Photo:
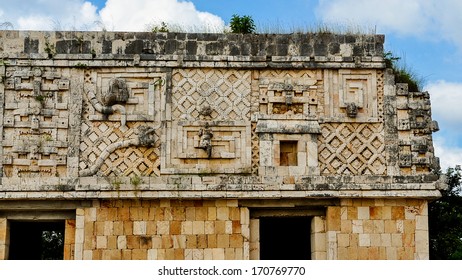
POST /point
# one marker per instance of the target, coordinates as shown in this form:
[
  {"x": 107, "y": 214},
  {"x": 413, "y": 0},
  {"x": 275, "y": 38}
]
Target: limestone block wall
[
  {"x": 69, "y": 239},
  {"x": 163, "y": 230},
  {"x": 378, "y": 229}
]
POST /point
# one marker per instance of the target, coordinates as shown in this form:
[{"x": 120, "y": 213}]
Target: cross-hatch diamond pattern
[
  {"x": 142, "y": 161},
  {"x": 352, "y": 149},
  {"x": 226, "y": 92}
]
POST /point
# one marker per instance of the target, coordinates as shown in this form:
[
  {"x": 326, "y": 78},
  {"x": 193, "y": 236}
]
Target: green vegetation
[
  {"x": 403, "y": 74},
  {"x": 162, "y": 28},
  {"x": 242, "y": 24},
  {"x": 49, "y": 49},
  {"x": 81, "y": 65},
  {"x": 136, "y": 180},
  {"x": 445, "y": 220}
]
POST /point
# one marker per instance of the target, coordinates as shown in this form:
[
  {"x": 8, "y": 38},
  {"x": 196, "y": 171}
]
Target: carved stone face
[
  {"x": 206, "y": 111},
  {"x": 116, "y": 94},
  {"x": 352, "y": 110}
]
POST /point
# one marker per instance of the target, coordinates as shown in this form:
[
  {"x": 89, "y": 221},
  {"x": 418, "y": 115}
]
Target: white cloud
[
  {"x": 49, "y": 14},
  {"x": 34, "y": 22},
  {"x": 446, "y": 101},
  {"x": 116, "y": 15},
  {"x": 430, "y": 19},
  {"x": 449, "y": 156},
  {"x": 135, "y": 16}
]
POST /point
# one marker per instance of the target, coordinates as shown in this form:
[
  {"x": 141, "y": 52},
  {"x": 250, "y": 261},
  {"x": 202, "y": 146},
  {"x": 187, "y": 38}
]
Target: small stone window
[{"x": 288, "y": 153}]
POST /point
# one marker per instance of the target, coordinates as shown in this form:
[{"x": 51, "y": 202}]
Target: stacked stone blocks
[{"x": 165, "y": 230}]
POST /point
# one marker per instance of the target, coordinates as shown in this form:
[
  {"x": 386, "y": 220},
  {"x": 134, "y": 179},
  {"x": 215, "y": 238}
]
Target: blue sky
[{"x": 425, "y": 33}]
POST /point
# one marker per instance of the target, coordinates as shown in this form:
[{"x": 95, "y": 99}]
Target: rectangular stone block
[
  {"x": 223, "y": 213},
  {"x": 163, "y": 227},
  {"x": 363, "y": 213},
  {"x": 333, "y": 218},
  {"x": 375, "y": 212},
  {"x": 175, "y": 227},
  {"x": 357, "y": 226},
  {"x": 390, "y": 226},
  {"x": 139, "y": 254},
  {"x": 198, "y": 227},
  {"x": 139, "y": 227},
  {"x": 156, "y": 242},
  {"x": 223, "y": 241},
  {"x": 101, "y": 242},
  {"x": 397, "y": 240},
  {"x": 364, "y": 240},
  {"x": 343, "y": 240},
  {"x": 421, "y": 223},
  {"x": 121, "y": 242},
  {"x": 397, "y": 213},
  {"x": 211, "y": 213},
  {"x": 218, "y": 253},
  {"x": 201, "y": 214},
  {"x": 152, "y": 254},
  {"x": 133, "y": 242}
]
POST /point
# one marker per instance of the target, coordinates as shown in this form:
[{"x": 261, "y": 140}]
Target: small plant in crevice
[
  {"x": 160, "y": 28},
  {"x": 49, "y": 49},
  {"x": 47, "y": 137},
  {"x": 402, "y": 72},
  {"x": 116, "y": 182},
  {"x": 136, "y": 180},
  {"x": 81, "y": 65},
  {"x": 3, "y": 62},
  {"x": 40, "y": 98}
]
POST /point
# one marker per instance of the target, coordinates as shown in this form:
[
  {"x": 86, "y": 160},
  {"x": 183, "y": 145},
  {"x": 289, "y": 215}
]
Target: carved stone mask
[
  {"x": 116, "y": 94},
  {"x": 352, "y": 110}
]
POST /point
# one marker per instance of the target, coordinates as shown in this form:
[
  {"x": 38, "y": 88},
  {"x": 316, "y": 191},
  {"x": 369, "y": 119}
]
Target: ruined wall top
[{"x": 186, "y": 49}]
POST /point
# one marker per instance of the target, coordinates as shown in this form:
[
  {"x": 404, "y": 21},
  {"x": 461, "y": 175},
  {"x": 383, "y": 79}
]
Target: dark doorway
[
  {"x": 285, "y": 238},
  {"x": 36, "y": 240}
]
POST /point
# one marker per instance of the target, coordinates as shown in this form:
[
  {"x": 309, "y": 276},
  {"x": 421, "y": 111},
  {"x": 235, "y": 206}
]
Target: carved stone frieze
[
  {"x": 36, "y": 122},
  {"x": 217, "y": 93},
  {"x": 207, "y": 147},
  {"x": 350, "y": 148},
  {"x": 125, "y": 140}
]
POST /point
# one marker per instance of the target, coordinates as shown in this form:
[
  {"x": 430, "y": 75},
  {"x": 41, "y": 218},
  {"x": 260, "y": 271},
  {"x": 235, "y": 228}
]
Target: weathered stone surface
[{"x": 178, "y": 142}]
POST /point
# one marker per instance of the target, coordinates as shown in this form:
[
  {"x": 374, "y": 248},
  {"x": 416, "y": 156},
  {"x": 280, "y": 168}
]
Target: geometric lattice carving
[
  {"x": 380, "y": 87},
  {"x": 352, "y": 148},
  {"x": 415, "y": 127},
  {"x": 357, "y": 89},
  {"x": 255, "y": 149},
  {"x": 104, "y": 147},
  {"x": 230, "y": 148},
  {"x": 36, "y": 121},
  {"x": 97, "y": 136},
  {"x": 225, "y": 92},
  {"x": 288, "y": 93}
]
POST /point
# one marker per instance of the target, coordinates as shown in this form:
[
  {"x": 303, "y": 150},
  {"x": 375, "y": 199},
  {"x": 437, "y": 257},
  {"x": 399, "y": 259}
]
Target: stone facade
[{"x": 180, "y": 146}]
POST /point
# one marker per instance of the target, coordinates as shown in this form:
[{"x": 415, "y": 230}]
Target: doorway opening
[
  {"x": 285, "y": 238},
  {"x": 36, "y": 240}
]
